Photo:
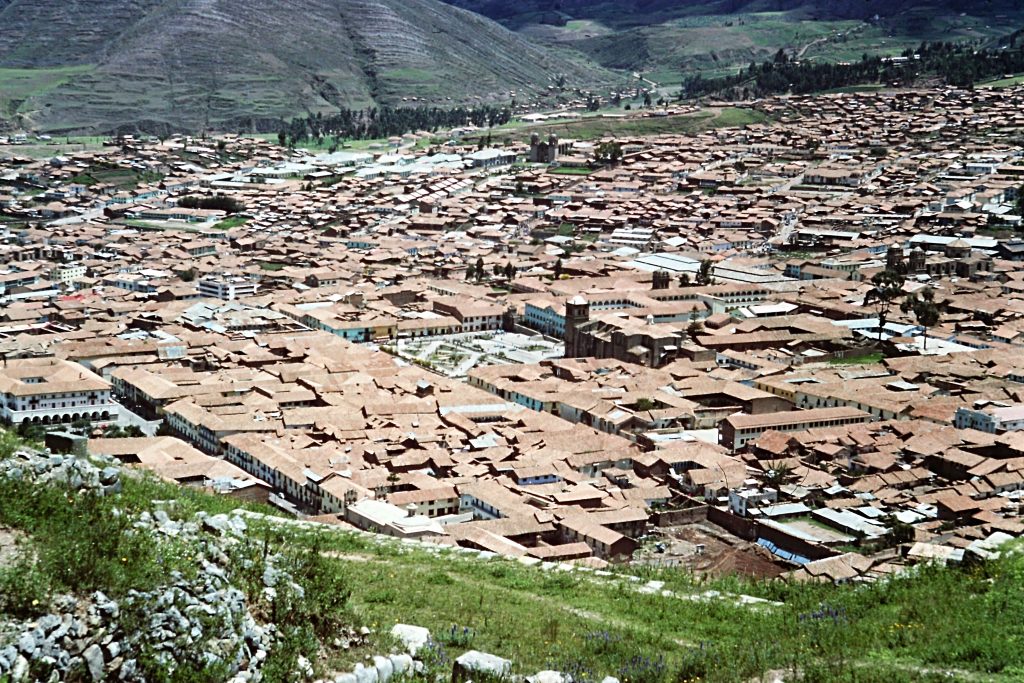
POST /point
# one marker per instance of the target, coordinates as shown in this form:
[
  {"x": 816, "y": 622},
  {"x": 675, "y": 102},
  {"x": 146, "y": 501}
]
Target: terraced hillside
[
  {"x": 192, "y": 64},
  {"x": 667, "y": 39}
]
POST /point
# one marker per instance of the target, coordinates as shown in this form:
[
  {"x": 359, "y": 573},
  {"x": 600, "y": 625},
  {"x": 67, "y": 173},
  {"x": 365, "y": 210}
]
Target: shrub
[{"x": 24, "y": 589}]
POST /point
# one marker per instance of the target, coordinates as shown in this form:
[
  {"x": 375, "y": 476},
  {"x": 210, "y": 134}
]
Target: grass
[
  {"x": 566, "y": 230},
  {"x": 1004, "y": 82},
  {"x": 122, "y": 178},
  {"x": 230, "y": 222},
  {"x": 19, "y": 85},
  {"x": 869, "y": 359},
  {"x": 932, "y": 624},
  {"x": 592, "y": 127},
  {"x": 569, "y": 170},
  {"x": 594, "y": 626},
  {"x": 868, "y": 87}
]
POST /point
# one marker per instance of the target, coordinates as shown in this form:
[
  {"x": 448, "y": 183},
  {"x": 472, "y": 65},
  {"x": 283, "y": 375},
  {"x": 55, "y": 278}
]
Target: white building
[
  {"x": 992, "y": 417},
  {"x": 227, "y": 287},
  {"x": 52, "y": 391},
  {"x": 742, "y": 502},
  {"x": 384, "y": 518},
  {"x": 68, "y": 273}
]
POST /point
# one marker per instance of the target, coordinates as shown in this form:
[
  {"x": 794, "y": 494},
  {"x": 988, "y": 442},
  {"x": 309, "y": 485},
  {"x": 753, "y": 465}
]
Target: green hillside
[
  {"x": 670, "y": 39},
  {"x": 189, "y": 65}
]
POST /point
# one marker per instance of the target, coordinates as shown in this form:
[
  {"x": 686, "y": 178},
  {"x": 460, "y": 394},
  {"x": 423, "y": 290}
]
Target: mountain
[
  {"x": 631, "y": 13},
  {"x": 94, "y": 65},
  {"x": 671, "y": 39}
]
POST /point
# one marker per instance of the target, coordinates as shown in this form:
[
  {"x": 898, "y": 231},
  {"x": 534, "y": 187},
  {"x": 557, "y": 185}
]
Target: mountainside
[
  {"x": 630, "y": 13},
  {"x": 672, "y": 39},
  {"x": 192, "y": 64}
]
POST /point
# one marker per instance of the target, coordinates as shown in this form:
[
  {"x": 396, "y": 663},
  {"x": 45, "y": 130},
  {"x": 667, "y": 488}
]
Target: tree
[
  {"x": 899, "y": 532},
  {"x": 510, "y": 271},
  {"x": 684, "y": 280},
  {"x": 558, "y": 269},
  {"x": 644, "y": 404},
  {"x": 696, "y": 326},
  {"x": 608, "y": 152},
  {"x": 704, "y": 275},
  {"x": 282, "y": 137},
  {"x": 777, "y": 476},
  {"x": 480, "y": 272},
  {"x": 218, "y": 202},
  {"x": 888, "y": 285},
  {"x": 925, "y": 310}
]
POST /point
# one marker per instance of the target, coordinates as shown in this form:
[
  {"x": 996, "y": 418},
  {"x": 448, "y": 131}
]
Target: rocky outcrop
[
  {"x": 102, "y": 475},
  {"x": 98, "y": 638},
  {"x": 198, "y": 619}
]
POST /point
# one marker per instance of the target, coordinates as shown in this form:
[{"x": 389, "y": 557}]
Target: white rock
[
  {"x": 482, "y": 662},
  {"x": 365, "y": 674},
  {"x": 412, "y": 637},
  {"x": 384, "y": 669},
  {"x": 345, "y": 678},
  {"x": 93, "y": 657},
  {"x": 547, "y": 677},
  {"x": 609, "y": 679},
  {"x": 19, "y": 672},
  {"x": 402, "y": 664},
  {"x": 304, "y": 666}
]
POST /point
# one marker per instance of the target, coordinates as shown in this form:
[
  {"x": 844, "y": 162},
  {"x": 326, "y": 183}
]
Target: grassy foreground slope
[{"x": 938, "y": 624}]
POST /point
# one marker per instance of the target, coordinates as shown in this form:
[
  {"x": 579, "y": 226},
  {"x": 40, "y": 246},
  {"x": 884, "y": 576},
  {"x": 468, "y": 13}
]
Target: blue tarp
[{"x": 784, "y": 554}]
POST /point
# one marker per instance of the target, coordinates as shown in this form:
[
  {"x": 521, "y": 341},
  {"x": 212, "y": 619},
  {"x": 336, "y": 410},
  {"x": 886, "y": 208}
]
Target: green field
[
  {"x": 869, "y": 87},
  {"x": 570, "y": 170},
  {"x": 1004, "y": 82},
  {"x": 18, "y": 85},
  {"x": 231, "y": 222},
  {"x": 123, "y": 178},
  {"x": 869, "y": 359},
  {"x": 594, "y": 127}
]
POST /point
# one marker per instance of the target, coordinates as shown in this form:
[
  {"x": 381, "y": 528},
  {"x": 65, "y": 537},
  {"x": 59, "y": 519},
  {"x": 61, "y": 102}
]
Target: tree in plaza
[
  {"x": 925, "y": 310},
  {"x": 608, "y": 152},
  {"x": 887, "y": 287}
]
